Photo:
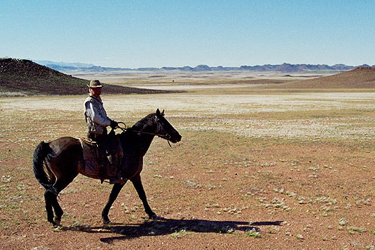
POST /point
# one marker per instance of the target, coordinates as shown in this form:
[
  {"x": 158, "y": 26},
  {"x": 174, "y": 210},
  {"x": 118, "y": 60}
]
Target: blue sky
[{"x": 157, "y": 33}]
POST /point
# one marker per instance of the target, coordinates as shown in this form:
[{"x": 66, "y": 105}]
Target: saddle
[{"x": 96, "y": 160}]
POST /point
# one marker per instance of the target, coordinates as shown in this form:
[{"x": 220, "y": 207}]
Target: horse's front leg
[
  {"x": 112, "y": 197},
  {"x": 142, "y": 195}
]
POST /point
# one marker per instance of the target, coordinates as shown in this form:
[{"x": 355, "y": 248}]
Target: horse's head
[{"x": 164, "y": 129}]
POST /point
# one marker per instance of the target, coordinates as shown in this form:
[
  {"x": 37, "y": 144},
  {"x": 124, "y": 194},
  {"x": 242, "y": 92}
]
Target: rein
[{"x": 141, "y": 132}]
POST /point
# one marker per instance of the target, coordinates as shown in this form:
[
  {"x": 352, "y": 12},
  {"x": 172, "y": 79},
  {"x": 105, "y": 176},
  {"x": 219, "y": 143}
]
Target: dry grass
[{"x": 266, "y": 170}]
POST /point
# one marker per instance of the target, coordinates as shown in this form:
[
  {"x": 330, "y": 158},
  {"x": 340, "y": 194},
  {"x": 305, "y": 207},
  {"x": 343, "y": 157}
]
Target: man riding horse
[{"x": 97, "y": 121}]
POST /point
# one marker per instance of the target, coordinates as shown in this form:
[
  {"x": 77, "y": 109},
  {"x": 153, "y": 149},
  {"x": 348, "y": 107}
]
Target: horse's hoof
[
  {"x": 57, "y": 223},
  {"x": 106, "y": 223},
  {"x": 152, "y": 216},
  {"x": 53, "y": 223},
  {"x": 155, "y": 217}
]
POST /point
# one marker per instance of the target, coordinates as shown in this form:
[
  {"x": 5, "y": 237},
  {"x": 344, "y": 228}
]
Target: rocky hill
[
  {"x": 24, "y": 77},
  {"x": 358, "y": 78}
]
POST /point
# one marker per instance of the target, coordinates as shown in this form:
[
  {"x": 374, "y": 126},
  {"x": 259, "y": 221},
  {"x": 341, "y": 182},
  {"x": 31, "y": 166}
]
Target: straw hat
[{"x": 95, "y": 84}]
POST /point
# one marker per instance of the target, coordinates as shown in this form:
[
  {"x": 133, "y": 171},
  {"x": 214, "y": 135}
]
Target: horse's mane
[
  {"x": 146, "y": 121},
  {"x": 138, "y": 126}
]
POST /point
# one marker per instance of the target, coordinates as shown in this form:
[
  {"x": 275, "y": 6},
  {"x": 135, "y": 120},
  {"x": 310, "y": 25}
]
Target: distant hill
[
  {"x": 285, "y": 67},
  {"x": 293, "y": 68},
  {"x": 360, "y": 77},
  {"x": 51, "y": 64},
  {"x": 24, "y": 77}
]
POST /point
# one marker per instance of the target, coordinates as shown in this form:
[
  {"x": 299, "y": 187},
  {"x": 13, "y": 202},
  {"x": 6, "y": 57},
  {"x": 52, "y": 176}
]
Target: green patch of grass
[
  {"x": 179, "y": 234},
  {"x": 253, "y": 233}
]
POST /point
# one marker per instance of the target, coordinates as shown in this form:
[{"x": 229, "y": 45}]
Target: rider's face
[{"x": 95, "y": 91}]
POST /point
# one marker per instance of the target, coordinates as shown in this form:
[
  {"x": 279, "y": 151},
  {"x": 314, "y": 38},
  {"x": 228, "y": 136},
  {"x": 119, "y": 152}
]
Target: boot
[{"x": 115, "y": 175}]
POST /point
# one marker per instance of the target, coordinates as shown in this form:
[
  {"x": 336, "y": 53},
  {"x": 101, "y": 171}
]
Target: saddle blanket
[
  {"x": 91, "y": 159},
  {"x": 91, "y": 166}
]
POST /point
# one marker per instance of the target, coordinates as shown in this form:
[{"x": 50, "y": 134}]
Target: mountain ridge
[{"x": 285, "y": 67}]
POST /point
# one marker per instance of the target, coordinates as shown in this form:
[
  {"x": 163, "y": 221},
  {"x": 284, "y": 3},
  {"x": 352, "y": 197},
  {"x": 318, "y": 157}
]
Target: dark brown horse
[{"x": 58, "y": 162}]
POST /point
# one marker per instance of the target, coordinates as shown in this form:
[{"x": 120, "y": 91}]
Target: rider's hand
[{"x": 114, "y": 124}]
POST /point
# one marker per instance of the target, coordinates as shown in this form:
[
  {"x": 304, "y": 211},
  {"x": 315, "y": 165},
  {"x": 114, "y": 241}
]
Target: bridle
[{"x": 166, "y": 137}]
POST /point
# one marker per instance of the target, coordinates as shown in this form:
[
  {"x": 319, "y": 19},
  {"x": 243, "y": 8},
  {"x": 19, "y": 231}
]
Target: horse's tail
[{"x": 40, "y": 153}]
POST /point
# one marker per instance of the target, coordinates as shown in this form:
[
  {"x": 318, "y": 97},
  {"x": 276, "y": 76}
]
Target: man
[{"x": 97, "y": 123}]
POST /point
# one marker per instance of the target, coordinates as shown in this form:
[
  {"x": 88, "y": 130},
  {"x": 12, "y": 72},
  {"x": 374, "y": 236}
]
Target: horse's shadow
[{"x": 177, "y": 228}]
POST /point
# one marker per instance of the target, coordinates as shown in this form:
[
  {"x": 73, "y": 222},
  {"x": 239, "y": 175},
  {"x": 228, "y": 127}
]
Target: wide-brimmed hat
[{"x": 95, "y": 84}]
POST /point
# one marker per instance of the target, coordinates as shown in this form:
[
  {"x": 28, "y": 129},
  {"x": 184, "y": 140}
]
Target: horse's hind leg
[
  {"x": 51, "y": 200},
  {"x": 52, "y": 204},
  {"x": 58, "y": 211},
  {"x": 59, "y": 185},
  {"x": 48, "y": 196}
]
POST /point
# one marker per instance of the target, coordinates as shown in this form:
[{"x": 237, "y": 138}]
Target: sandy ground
[{"x": 253, "y": 171}]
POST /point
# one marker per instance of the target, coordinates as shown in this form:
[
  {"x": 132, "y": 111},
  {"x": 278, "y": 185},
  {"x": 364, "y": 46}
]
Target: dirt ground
[{"x": 253, "y": 171}]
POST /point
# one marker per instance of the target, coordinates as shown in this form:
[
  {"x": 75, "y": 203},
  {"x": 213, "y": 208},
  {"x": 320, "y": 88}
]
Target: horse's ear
[{"x": 158, "y": 113}]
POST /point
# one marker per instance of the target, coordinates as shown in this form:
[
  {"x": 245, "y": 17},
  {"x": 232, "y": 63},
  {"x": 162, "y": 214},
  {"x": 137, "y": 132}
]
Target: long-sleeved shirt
[{"x": 95, "y": 114}]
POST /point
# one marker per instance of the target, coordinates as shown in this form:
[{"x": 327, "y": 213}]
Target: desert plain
[{"x": 257, "y": 168}]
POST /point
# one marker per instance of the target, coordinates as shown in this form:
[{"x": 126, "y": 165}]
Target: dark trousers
[{"x": 106, "y": 150}]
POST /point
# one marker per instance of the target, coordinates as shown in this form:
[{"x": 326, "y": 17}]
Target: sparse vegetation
[{"x": 298, "y": 165}]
